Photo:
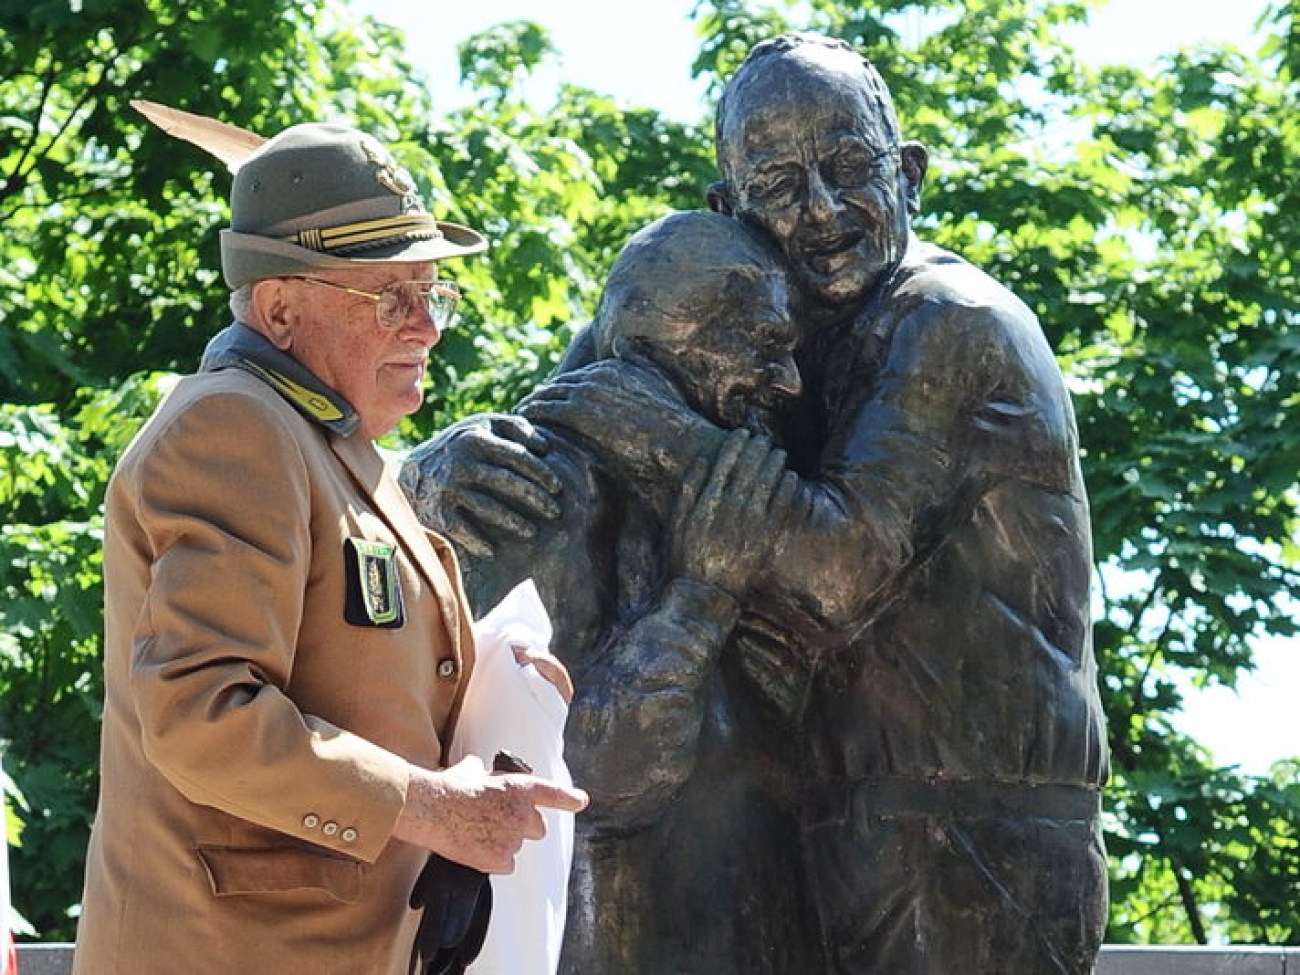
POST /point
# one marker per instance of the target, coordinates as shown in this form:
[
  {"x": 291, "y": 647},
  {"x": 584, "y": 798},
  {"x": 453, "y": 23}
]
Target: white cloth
[{"x": 514, "y": 707}]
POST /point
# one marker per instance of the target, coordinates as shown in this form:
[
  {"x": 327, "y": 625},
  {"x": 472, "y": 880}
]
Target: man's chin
[{"x": 838, "y": 289}]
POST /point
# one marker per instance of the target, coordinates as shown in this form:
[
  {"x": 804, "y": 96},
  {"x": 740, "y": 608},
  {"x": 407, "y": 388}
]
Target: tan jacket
[{"x": 254, "y": 738}]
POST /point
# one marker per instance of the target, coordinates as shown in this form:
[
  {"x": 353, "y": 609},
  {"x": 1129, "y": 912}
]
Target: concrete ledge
[
  {"x": 44, "y": 959},
  {"x": 1232, "y": 960},
  {"x": 56, "y": 959}
]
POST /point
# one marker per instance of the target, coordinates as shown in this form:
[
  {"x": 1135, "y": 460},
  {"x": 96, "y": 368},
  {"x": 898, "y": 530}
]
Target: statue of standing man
[{"x": 921, "y": 634}]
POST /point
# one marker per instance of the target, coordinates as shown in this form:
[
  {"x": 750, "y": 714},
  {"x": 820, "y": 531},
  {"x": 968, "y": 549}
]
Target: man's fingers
[
  {"x": 694, "y": 481},
  {"x": 520, "y": 490},
  {"x": 570, "y": 386},
  {"x": 536, "y": 828},
  {"x": 545, "y": 794},
  {"x": 751, "y": 464},
  {"x": 591, "y": 393},
  {"x": 548, "y": 665},
  {"x": 725, "y": 462},
  {"x": 734, "y": 486},
  {"x": 502, "y": 518},
  {"x": 489, "y": 520},
  {"x": 781, "y": 507},
  {"x": 468, "y": 539},
  {"x": 769, "y": 476},
  {"x": 476, "y": 818},
  {"x": 518, "y": 430},
  {"x": 506, "y": 459},
  {"x": 552, "y": 409},
  {"x": 692, "y": 484}
]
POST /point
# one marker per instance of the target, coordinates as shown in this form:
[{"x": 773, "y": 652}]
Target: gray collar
[{"x": 239, "y": 347}]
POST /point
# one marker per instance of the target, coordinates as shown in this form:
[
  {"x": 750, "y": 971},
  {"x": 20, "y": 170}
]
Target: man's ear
[
  {"x": 915, "y": 161},
  {"x": 271, "y": 313},
  {"x": 720, "y": 198}
]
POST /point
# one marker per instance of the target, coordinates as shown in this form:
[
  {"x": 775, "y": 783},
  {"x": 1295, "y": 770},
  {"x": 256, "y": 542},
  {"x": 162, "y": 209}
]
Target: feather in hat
[{"x": 228, "y": 143}]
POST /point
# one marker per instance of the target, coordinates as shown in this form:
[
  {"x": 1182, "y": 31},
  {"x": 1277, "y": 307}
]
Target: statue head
[
  {"x": 704, "y": 299},
  {"x": 809, "y": 150}
]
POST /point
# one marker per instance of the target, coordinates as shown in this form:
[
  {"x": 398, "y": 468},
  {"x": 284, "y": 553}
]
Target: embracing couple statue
[{"x": 804, "y": 503}]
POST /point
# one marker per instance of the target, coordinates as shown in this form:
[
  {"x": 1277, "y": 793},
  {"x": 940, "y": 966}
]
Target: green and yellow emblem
[{"x": 374, "y": 596}]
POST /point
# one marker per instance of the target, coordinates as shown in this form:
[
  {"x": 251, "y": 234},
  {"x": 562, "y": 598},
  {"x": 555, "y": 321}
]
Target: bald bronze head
[
  {"x": 809, "y": 151},
  {"x": 704, "y": 299}
]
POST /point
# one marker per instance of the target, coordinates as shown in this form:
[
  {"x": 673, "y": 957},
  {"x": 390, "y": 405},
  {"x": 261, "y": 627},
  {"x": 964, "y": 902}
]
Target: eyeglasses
[
  {"x": 396, "y": 302},
  {"x": 852, "y": 165}
]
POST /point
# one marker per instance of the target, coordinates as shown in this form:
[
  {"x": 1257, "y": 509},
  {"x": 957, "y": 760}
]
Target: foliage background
[{"x": 1149, "y": 219}]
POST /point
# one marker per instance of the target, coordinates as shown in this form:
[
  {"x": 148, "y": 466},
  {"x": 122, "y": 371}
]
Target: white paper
[{"x": 514, "y": 707}]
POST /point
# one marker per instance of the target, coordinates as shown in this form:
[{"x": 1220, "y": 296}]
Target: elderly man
[
  {"x": 286, "y": 648},
  {"x": 934, "y": 583}
]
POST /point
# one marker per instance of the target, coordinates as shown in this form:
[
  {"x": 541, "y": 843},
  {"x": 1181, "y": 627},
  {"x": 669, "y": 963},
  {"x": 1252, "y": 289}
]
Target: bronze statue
[
  {"x": 647, "y": 580},
  {"x": 918, "y": 647}
]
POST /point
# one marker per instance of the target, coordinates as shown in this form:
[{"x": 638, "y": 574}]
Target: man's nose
[
  {"x": 823, "y": 200},
  {"x": 784, "y": 378},
  {"x": 420, "y": 321}
]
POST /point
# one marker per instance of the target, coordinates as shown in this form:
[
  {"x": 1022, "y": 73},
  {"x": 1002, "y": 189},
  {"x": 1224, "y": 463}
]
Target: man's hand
[
  {"x": 729, "y": 518},
  {"x": 630, "y": 415},
  {"x": 482, "y": 482},
  {"x": 548, "y": 665},
  {"x": 473, "y": 817}
]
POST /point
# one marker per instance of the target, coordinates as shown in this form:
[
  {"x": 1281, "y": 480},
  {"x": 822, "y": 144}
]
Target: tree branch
[
  {"x": 1188, "y": 898},
  {"x": 18, "y": 178},
  {"x": 15, "y": 181}
]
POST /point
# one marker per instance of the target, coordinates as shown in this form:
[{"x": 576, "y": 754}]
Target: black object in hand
[
  {"x": 510, "y": 762},
  {"x": 457, "y": 905}
]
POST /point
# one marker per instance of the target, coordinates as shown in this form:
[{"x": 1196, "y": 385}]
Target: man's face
[
  {"x": 737, "y": 367},
  {"x": 814, "y": 164},
  {"x": 337, "y": 336}
]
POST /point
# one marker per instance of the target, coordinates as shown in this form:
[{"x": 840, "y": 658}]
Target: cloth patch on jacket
[{"x": 374, "y": 596}]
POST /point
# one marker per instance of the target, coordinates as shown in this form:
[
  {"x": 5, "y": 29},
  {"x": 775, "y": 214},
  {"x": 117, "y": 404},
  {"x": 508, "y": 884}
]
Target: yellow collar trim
[{"x": 312, "y": 402}]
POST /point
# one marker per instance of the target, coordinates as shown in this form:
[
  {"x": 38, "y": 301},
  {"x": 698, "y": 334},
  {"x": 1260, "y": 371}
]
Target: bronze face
[
  {"x": 705, "y": 300},
  {"x": 735, "y": 365},
  {"x": 812, "y": 155}
]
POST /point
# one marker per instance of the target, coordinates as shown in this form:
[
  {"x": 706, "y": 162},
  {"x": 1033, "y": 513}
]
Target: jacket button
[
  {"x": 349, "y": 835},
  {"x": 447, "y": 668},
  {"x": 311, "y": 821},
  {"x": 330, "y": 828}
]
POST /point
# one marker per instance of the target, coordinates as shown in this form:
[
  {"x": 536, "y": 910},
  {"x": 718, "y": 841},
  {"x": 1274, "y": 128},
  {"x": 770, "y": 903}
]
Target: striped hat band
[{"x": 365, "y": 234}]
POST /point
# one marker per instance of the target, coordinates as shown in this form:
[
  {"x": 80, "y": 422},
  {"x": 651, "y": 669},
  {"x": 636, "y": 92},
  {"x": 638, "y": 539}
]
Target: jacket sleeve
[{"x": 222, "y": 500}]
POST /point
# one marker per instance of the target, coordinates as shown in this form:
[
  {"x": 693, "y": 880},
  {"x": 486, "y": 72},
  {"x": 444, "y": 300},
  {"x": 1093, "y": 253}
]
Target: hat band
[{"x": 367, "y": 233}]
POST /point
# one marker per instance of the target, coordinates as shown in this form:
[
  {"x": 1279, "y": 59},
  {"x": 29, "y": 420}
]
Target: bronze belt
[{"x": 902, "y": 797}]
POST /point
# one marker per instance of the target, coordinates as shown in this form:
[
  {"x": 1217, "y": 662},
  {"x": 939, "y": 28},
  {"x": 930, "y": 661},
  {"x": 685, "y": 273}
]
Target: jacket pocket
[{"x": 234, "y": 870}]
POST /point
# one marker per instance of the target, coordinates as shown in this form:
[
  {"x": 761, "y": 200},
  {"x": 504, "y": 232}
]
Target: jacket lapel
[
  {"x": 240, "y": 347},
  {"x": 366, "y": 466}
]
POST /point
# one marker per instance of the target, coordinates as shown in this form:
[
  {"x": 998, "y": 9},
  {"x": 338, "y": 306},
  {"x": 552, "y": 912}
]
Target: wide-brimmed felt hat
[{"x": 320, "y": 197}]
